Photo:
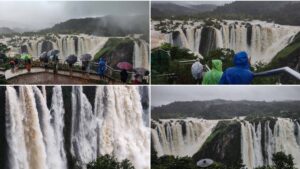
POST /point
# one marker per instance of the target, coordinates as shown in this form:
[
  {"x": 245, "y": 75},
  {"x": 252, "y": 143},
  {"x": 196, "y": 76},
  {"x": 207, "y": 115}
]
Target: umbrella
[
  {"x": 140, "y": 71},
  {"x": 52, "y": 52},
  {"x": 26, "y": 56},
  {"x": 43, "y": 56},
  {"x": 124, "y": 65},
  {"x": 86, "y": 57},
  {"x": 71, "y": 59},
  {"x": 204, "y": 163},
  {"x": 197, "y": 69}
]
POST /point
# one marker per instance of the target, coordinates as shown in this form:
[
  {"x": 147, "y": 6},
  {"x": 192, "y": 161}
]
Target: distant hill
[
  {"x": 172, "y": 9},
  {"x": 104, "y": 26},
  {"x": 281, "y": 12},
  {"x": 219, "y": 109},
  {"x": 6, "y": 30}
]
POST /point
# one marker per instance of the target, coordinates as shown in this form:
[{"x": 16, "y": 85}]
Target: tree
[
  {"x": 109, "y": 162},
  {"x": 3, "y": 48},
  {"x": 283, "y": 161}
]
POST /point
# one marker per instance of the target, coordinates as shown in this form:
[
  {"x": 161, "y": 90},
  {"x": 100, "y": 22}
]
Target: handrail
[{"x": 286, "y": 69}]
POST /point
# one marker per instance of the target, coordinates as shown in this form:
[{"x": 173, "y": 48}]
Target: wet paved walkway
[{"x": 41, "y": 76}]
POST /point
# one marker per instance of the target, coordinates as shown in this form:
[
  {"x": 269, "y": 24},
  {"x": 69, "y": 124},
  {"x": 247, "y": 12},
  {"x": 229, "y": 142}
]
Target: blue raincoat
[
  {"x": 102, "y": 67},
  {"x": 240, "y": 73}
]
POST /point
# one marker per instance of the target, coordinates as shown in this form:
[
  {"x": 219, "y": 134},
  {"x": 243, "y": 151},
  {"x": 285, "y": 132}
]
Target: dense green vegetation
[
  {"x": 220, "y": 109},
  {"x": 121, "y": 47},
  {"x": 109, "y": 162},
  {"x": 223, "y": 145},
  {"x": 167, "y": 60},
  {"x": 280, "y": 159}
]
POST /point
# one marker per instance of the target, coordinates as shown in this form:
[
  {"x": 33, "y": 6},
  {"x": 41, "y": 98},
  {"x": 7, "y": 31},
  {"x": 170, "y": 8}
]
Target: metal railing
[{"x": 277, "y": 71}]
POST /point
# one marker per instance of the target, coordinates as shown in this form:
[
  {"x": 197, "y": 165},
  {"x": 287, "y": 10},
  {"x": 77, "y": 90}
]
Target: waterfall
[
  {"x": 66, "y": 44},
  {"x": 52, "y": 150},
  {"x": 180, "y": 137},
  {"x": 259, "y": 140},
  {"x": 35, "y": 134},
  {"x": 57, "y": 112},
  {"x": 122, "y": 122},
  {"x": 140, "y": 54},
  {"x": 15, "y": 131},
  {"x": 261, "y": 40},
  {"x": 35, "y": 147},
  {"x": 83, "y": 138},
  {"x": 283, "y": 139}
]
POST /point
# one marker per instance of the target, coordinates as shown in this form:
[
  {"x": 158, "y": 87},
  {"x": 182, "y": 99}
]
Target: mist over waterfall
[
  {"x": 180, "y": 137},
  {"x": 261, "y": 40},
  {"x": 259, "y": 140},
  {"x": 110, "y": 122}
]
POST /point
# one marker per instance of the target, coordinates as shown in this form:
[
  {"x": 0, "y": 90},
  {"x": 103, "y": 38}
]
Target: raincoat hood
[
  {"x": 241, "y": 60},
  {"x": 217, "y": 64}
]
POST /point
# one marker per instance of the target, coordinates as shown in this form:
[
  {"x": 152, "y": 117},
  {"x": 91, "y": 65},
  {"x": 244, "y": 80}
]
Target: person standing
[
  {"x": 240, "y": 73},
  {"x": 197, "y": 70},
  {"x": 102, "y": 67},
  {"x": 124, "y": 76},
  {"x": 214, "y": 75}
]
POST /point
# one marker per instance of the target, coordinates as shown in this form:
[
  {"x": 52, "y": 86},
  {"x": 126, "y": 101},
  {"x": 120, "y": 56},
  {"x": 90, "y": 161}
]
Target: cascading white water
[
  {"x": 57, "y": 113},
  {"x": 83, "y": 132},
  {"x": 35, "y": 134},
  {"x": 252, "y": 152},
  {"x": 122, "y": 123},
  {"x": 54, "y": 159},
  {"x": 73, "y": 44},
  {"x": 282, "y": 138},
  {"x": 35, "y": 147},
  {"x": 66, "y": 44},
  {"x": 180, "y": 137},
  {"x": 15, "y": 131},
  {"x": 261, "y": 40},
  {"x": 115, "y": 127},
  {"x": 259, "y": 141},
  {"x": 140, "y": 54}
]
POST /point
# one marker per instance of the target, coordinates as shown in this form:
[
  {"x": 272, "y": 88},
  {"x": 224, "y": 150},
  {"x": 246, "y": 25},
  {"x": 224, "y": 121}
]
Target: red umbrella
[{"x": 124, "y": 65}]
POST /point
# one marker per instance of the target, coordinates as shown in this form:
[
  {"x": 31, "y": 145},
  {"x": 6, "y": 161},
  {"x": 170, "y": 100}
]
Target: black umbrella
[
  {"x": 52, "y": 52},
  {"x": 43, "y": 56},
  {"x": 86, "y": 57},
  {"x": 71, "y": 59},
  {"x": 205, "y": 163}
]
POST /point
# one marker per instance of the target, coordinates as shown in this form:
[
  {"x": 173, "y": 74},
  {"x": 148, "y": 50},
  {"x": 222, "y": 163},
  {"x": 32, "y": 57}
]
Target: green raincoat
[{"x": 214, "y": 75}]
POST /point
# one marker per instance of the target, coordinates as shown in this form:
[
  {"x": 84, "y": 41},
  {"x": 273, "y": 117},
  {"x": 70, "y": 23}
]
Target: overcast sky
[
  {"x": 43, "y": 14},
  {"x": 186, "y": 3},
  {"x": 161, "y": 95}
]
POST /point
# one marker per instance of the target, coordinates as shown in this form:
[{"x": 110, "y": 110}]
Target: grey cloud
[{"x": 42, "y": 14}]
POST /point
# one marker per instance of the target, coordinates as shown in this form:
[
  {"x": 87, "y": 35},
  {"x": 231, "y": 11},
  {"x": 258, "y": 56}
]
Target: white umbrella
[
  {"x": 205, "y": 163},
  {"x": 197, "y": 69}
]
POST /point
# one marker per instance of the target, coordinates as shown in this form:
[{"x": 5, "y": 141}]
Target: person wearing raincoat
[
  {"x": 102, "y": 67},
  {"x": 240, "y": 73},
  {"x": 214, "y": 75},
  {"x": 197, "y": 70}
]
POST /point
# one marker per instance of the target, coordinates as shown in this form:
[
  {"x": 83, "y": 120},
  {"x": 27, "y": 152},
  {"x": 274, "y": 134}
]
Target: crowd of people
[
  {"x": 240, "y": 73},
  {"x": 137, "y": 78},
  {"x": 16, "y": 63}
]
